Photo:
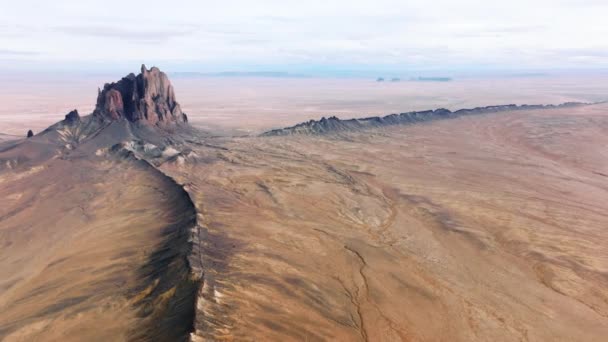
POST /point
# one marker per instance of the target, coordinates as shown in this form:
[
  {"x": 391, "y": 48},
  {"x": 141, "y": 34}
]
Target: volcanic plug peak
[{"x": 148, "y": 97}]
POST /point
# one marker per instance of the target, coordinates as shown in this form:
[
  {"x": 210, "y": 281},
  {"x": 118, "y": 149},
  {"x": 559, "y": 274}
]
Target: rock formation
[
  {"x": 72, "y": 117},
  {"x": 335, "y": 125},
  {"x": 30, "y": 133},
  {"x": 147, "y": 98}
]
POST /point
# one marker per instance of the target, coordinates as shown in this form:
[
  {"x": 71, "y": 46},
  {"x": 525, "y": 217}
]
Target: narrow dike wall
[
  {"x": 334, "y": 125},
  {"x": 171, "y": 278}
]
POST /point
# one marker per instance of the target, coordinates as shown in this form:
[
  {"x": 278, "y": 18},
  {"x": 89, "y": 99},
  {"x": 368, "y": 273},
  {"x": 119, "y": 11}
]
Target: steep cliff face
[{"x": 147, "y": 97}]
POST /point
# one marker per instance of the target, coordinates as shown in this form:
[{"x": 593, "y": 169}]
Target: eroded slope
[
  {"x": 94, "y": 249},
  {"x": 478, "y": 228}
]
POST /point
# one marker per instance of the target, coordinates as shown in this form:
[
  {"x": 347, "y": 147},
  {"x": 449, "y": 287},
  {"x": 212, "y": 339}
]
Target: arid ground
[
  {"x": 80, "y": 258},
  {"x": 480, "y": 228},
  {"x": 486, "y": 228}
]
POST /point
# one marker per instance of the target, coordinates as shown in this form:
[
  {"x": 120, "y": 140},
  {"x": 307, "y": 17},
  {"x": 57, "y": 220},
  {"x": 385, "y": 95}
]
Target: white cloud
[{"x": 224, "y": 34}]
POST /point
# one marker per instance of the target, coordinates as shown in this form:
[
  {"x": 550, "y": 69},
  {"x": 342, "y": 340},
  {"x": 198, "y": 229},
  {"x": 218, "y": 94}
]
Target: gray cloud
[
  {"x": 17, "y": 53},
  {"x": 17, "y": 31},
  {"x": 587, "y": 52},
  {"x": 540, "y": 33},
  {"x": 133, "y": 35},
  {"x": 579, "y": 54},
  {"x": 499, "y": 31}
]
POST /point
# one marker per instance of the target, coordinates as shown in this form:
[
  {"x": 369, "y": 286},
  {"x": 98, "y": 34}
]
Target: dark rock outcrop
[
  {"x": 147, "y": 98},
  {"x": 72, "y": 118},
  {"x": 335, "y": 125},
  {"x": 30, "y": 133}
]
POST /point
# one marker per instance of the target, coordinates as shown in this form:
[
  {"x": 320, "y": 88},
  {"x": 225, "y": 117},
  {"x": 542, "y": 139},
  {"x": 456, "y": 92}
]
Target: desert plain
[
  {"x": 476, "y": 228},
  {"x": 252, "y": 105}
]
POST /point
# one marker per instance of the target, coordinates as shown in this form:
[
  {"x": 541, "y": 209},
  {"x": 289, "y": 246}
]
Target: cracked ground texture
[
  {"x": 487, "y": 228},
  {"x": 479, "y": 228}
]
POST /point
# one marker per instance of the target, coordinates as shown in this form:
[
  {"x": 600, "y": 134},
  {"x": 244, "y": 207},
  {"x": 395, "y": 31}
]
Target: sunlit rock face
[{"x": 147, "y": 97}]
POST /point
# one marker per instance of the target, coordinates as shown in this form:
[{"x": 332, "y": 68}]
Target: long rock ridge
[{"x": 336, "y": 125}]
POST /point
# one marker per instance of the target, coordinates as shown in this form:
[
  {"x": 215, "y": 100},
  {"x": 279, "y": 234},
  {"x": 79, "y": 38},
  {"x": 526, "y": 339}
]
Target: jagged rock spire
[
  {"x": 72, "y": 117},
  {"x": 148, "y": 97}
]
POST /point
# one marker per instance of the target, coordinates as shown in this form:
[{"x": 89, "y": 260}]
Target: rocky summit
[
  {"x": 146, "y": 98},
  {"x": 72, "y": 117}
]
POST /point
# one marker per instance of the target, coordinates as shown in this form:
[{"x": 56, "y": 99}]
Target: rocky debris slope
[
  {"x": 147, "y": 97},
  {"x": 336, "y": 125}
]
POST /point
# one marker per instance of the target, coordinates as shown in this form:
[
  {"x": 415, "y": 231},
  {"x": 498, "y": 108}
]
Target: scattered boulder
[{"x": 30, "y": 133}]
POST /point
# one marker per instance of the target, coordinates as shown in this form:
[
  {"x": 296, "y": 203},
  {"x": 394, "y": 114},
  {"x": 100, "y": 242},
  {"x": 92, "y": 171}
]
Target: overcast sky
[{"x": 302, "y": 36}]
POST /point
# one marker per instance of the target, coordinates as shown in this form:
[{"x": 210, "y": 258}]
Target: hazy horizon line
[{"x": 305, "y": 71}]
